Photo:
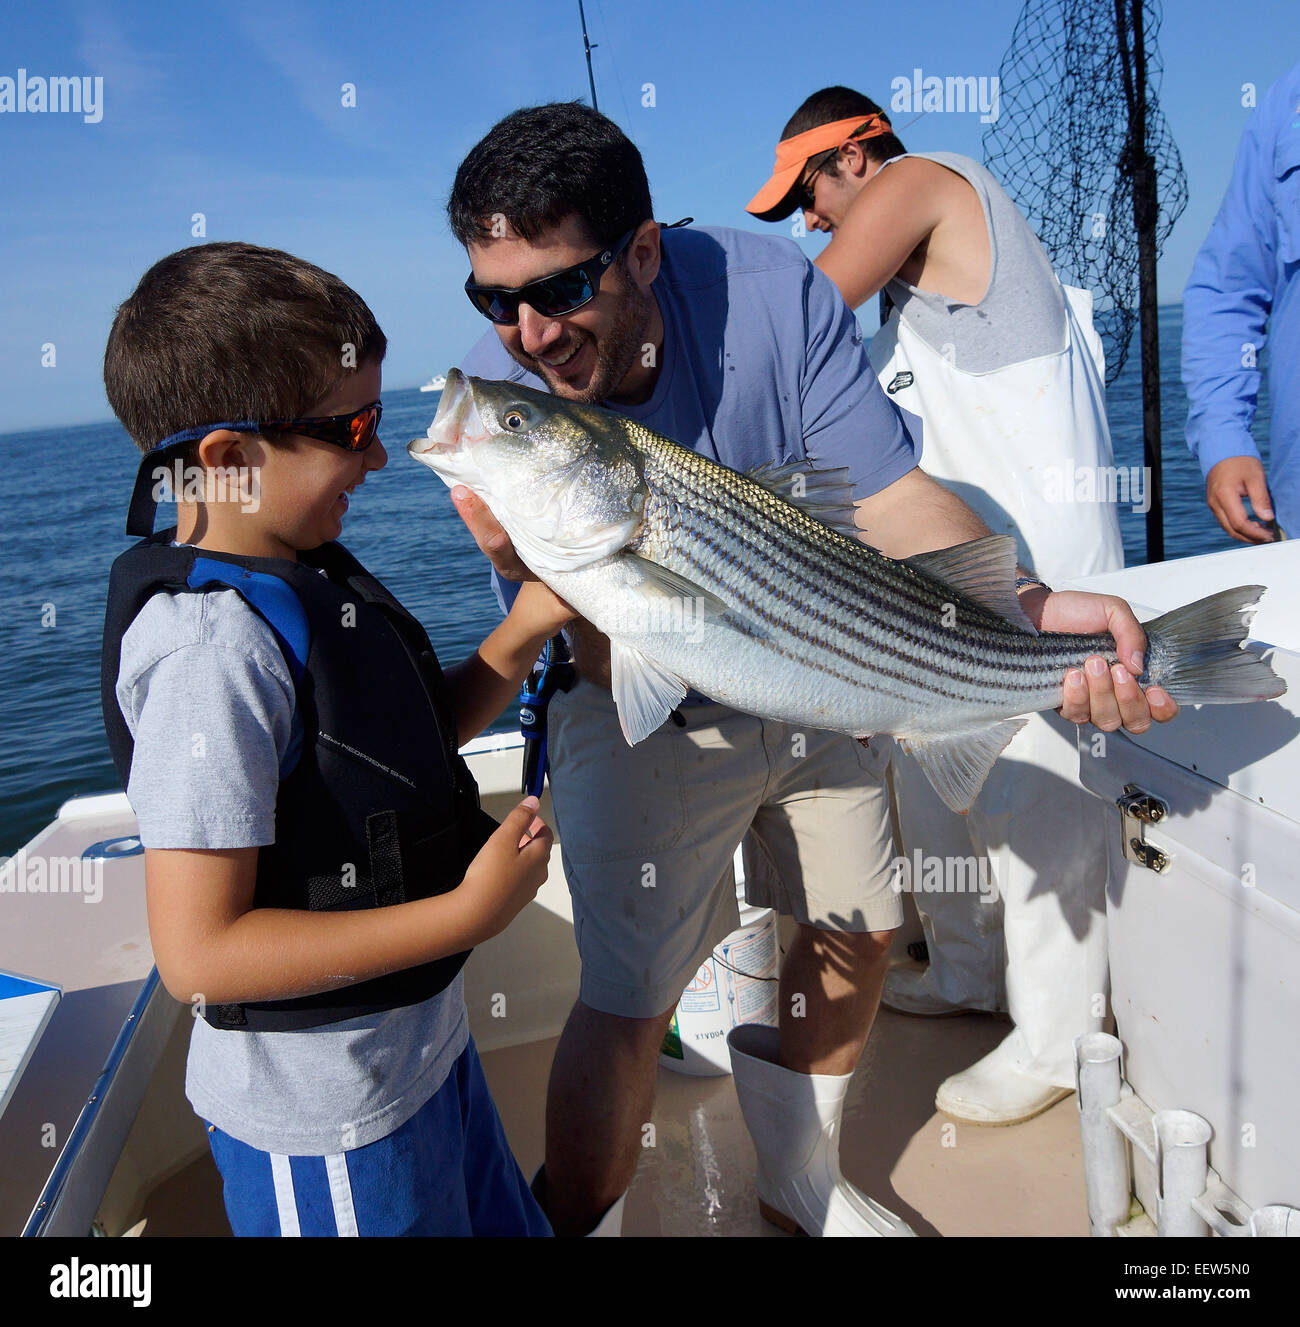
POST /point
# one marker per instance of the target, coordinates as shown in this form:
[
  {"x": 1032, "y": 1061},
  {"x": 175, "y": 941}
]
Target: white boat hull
[{"x": 1205, "y": 953}]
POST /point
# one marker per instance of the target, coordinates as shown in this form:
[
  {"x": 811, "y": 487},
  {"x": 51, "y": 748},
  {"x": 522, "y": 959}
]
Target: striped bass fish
[{"x": 755, "y": 590}]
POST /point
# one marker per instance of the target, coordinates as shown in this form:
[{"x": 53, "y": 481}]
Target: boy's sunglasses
[
  {"x": 552, "y": 296},
  {"x": 353, "y": 432}
]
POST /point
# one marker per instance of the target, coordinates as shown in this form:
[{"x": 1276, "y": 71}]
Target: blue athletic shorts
[{"x": 447, "y": 1171}]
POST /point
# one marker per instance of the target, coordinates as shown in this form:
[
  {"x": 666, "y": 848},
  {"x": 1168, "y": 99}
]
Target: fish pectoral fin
[
  {"x": 645, "y": 693},
  {"x": 983, "y": 570},
  {"x": 665, "y": 584},
  {"x": 825, "y": 495},
  {"x": 957, "y": 766}
]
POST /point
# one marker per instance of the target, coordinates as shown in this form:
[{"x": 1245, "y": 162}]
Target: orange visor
[{"x": 773, "y": 202}]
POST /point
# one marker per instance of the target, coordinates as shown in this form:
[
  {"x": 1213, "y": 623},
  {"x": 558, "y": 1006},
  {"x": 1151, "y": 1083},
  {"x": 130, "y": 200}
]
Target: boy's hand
[
  {"x": 507, "y": 872},
  {"x": 539, "y": 611}
]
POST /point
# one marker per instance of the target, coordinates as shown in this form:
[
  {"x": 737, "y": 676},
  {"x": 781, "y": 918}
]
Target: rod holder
[
  {"x": 1097, "y": 1073},
  {"x": 1275, "y": 1221},
  {"x": 1182, "y": 1166}
]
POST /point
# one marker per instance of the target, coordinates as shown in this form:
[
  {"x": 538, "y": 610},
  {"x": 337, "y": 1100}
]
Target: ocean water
[{"x": 65, "y": 493}]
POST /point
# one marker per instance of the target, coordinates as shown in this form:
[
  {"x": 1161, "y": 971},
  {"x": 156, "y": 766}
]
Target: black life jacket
[{"x": 375, "y": 806}]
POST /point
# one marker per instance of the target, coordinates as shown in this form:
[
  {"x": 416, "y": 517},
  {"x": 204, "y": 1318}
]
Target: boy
[{"x": 316, "y": 864}]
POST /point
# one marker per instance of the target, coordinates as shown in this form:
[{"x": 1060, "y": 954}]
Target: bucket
[{"x": 736, "y": 984}]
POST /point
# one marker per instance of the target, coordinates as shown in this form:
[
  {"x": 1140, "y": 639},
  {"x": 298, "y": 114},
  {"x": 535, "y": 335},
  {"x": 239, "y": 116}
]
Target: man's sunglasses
[
  {"x": 552, "y": 296},
  {"x": 353, "y": 432},
  {"x": 803, "y": 194}
]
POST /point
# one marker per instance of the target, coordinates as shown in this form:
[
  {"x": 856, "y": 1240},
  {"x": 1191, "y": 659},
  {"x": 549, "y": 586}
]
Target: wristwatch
[{"x": 1022, "y": 581}]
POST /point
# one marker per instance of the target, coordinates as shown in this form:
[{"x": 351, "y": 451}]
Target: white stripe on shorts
[
  {"x": 286, "y": 1207},
  {"x": 345, "y": 1216}
]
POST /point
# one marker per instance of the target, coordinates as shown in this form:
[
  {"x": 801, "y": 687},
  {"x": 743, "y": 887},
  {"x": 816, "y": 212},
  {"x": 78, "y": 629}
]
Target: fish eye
[{"x": 515, "y": 419}]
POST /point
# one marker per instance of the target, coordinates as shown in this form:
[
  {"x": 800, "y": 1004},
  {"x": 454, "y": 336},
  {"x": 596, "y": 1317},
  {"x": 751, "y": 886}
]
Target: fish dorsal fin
[
  {"x": 983, "y": 570},
  {"x": 825, "y": 495},
  {"x": 644, "y": 692},
  {"x": 671, "y": 585},
  {"x": 957, "y": 766}
]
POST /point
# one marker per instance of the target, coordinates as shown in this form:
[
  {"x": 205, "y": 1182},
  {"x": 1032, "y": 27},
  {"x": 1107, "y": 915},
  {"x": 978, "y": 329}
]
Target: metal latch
[{"x": 1137, "y": 809}]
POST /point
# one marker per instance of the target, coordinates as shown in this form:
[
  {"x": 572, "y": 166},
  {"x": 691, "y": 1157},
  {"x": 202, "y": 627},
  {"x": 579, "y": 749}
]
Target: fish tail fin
[{"x": 1195, "y": 653}]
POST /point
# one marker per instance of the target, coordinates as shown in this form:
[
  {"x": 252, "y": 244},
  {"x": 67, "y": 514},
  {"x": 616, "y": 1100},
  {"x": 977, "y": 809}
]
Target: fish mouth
[{"x": 457, "y": 423}]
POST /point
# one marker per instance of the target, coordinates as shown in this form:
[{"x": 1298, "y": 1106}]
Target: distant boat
[{"x": 435, "y": 384}]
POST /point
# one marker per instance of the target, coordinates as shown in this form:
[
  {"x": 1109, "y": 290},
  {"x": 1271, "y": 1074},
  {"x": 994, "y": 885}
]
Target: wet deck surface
[{"x": 942, "y": 1177}]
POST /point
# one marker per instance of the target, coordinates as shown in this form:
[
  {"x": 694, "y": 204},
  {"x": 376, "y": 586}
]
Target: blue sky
[{"x": 234, "y": 110}]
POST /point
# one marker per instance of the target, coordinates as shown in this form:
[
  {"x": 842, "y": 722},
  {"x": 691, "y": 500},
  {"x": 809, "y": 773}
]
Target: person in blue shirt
[
  {"x": 739, "y": 348},
  {"x": 1245, "y": 290}
]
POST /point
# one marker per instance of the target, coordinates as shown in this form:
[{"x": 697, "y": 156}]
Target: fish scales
[
  {"x": 792, "y": 544},
  {"x": 901, "y": 620}
]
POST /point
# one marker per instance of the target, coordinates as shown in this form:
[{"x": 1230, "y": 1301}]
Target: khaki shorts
[{"x": 648, "y": 834}]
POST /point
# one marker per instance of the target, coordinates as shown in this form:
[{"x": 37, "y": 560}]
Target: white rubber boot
[
  {"x": 794, "y": 1120},
  {"x": 996, "y": 1090}
]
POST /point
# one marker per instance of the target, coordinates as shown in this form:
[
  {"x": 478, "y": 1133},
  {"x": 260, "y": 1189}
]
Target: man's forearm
[
  {"x": 923, "y": 516},
  {"x": 1226, "y": 308},
  {"x": 1220, "y": 369},
  {"x": 916, "y": 515}
]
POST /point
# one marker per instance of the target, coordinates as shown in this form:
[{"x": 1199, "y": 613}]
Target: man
[
  {"x": 1003, "y": 367},
  {"x": 736, "y": 346},
  {"x": 1246, "y": 279}
]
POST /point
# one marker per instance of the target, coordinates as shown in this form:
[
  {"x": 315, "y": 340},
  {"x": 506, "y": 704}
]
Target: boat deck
[
  {"x": 943, "y": 1178},
  {"x": 698, "y": 1179}
]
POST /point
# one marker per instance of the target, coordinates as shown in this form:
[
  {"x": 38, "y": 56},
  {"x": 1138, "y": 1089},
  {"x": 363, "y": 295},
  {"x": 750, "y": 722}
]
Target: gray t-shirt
[
  {"x": 1022, "y": 315},
  {"x": 209, "y": 701}
]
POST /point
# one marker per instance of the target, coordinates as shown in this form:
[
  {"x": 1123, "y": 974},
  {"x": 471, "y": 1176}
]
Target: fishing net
[{"x": 1070, "y": 141}]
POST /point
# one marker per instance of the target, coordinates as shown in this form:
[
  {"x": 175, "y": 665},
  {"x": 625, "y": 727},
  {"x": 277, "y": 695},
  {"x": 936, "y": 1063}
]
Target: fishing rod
[{"x": 588, "y": 47}]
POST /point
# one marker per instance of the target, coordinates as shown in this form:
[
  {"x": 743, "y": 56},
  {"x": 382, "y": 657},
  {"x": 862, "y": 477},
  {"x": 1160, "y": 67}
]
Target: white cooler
[{"x": 1205, "y": 953}]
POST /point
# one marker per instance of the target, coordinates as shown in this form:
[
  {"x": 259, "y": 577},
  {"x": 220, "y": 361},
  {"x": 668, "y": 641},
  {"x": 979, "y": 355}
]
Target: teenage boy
[
  {"x": 316, "y": 864},
  {"x": 1002, "y": 366},
  {"x": 734, "y": 345}
]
